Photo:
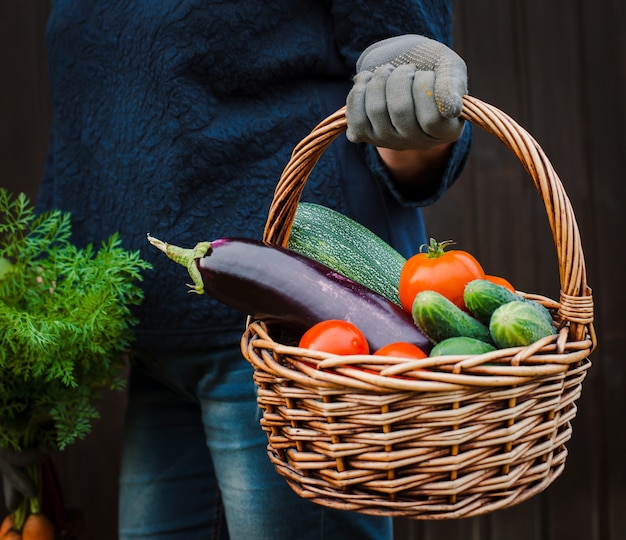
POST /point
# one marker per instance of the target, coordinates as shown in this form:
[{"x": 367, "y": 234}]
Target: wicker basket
[{"x": 441, "y": 438}]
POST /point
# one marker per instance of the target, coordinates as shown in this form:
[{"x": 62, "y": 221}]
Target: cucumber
[
  {"x": 482, "y": 297},
  {"x": 461, "y": 345},
  {"x": 518, "y": 324},
  {"x": 347, "y": 247},
  {"x": 438, "y": 318}
]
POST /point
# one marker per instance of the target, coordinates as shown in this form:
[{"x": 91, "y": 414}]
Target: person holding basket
[{"x": 177, "y": 119}]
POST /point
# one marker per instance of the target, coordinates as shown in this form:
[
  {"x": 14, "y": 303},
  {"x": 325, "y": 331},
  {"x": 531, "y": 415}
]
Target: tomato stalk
[{"x": 435, "y": 249}]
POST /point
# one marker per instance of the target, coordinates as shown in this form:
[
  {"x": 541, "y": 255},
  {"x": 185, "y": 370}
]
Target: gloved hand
[
  {"x": 407, "y": 94},
  {"x": 16, "y": 482}
]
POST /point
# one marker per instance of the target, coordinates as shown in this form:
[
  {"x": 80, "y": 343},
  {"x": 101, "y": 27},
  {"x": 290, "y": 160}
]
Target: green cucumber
[
  {"x": 438, "y": 318},
  {"x": 482, "y": 297},
  {"x": 347, "y": 247},
  {"x": 518, "y": 324},
  {"x": 461, "y": 345}
]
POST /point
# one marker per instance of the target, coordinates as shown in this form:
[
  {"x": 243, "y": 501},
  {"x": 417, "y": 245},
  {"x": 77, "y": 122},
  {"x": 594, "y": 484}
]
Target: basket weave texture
[{"x": 436, "y": 438}]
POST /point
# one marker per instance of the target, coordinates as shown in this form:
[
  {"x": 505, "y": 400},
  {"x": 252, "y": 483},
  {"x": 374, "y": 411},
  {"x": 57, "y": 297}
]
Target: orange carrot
[
  {"x": 7, "y": 524},
  {"x": 7, "y": 527},
  {"x": 38, "y": 527},
  {"x": 7, "y": 532}
]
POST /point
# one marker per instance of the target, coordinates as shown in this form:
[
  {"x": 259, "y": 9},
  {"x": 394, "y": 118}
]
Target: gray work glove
[
  {"x": 407, "y": 94},
  {"x": 16, "y": 482}
]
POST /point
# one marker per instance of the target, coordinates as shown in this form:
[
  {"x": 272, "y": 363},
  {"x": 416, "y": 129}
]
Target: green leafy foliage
[{"x": 65, "y": 324}]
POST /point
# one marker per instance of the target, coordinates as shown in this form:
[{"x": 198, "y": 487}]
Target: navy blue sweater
[{"x": 177, "y": 118}]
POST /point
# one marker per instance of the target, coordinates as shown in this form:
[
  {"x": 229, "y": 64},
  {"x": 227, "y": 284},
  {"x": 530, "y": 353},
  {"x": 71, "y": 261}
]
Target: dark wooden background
[{"x": 559, "y": 69}]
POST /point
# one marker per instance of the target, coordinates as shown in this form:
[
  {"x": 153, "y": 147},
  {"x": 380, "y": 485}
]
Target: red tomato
[
  {"x": 446, "y": 272},
  {"x": 336, "y": 337},
  {"x": 500, "y": 281},
  {"x": 401, "y": 349}
]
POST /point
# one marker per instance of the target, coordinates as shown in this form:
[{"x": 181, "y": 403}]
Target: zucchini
[
  {"x": 347, "y": 247},
  {"x": 518, "y": 324},
  {"x": 461, "y": 345},
  {"x": 439, "y": 318}
]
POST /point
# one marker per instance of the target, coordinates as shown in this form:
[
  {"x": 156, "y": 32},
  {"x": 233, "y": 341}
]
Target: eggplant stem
[
  {"x": 159, "y": 244},
  {"x": 186, "y": 257}
]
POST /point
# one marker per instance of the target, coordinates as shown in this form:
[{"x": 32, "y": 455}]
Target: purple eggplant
[{"x": 289, "y": 290}]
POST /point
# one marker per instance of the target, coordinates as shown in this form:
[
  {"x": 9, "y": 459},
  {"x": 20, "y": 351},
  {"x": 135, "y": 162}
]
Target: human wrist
[{"x": 416, "y": 171}]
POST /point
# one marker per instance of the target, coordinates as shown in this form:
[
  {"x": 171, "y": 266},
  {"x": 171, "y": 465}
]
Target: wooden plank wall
[{"x": 559, "y": 69}]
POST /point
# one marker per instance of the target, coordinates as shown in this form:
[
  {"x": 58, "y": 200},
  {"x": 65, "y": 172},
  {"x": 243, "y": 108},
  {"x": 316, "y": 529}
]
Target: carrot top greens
[{"x": 65, "y": 323}]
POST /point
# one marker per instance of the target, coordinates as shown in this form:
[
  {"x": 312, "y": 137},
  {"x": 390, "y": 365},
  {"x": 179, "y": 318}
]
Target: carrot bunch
[
  {"x": 28, "y": 521},
  {"x": 36, "y": 526}
]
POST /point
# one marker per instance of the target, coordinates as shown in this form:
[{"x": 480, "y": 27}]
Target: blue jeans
[{"x": 195, "y": 464}]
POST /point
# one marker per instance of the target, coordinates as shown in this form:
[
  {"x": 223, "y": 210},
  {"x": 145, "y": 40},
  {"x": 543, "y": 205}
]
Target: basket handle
[{"x": 576, "y": 302}]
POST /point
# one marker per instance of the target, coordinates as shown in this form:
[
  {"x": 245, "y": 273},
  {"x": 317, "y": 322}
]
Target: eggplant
[{"x": 290, "y": 291}]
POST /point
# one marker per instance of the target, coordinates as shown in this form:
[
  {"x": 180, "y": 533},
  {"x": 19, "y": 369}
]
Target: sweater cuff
[{"x": 454, "y": 167}]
